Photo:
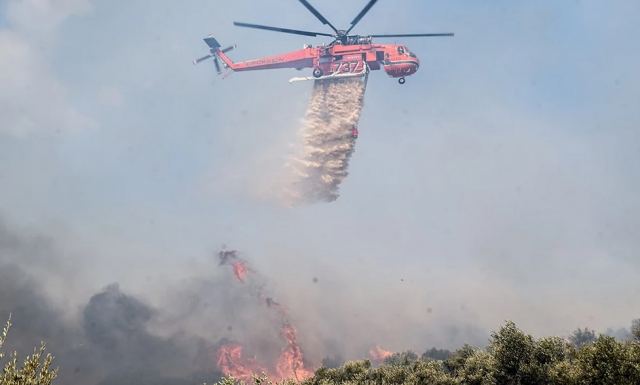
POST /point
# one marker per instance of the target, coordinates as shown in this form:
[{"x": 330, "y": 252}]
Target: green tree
[
  {"x": 514, "y": 355},
  {"x": 456, "y": 362},
  {"x": 581, "y": 337},
  {"x": 430, "y": 372},
  {"x": 608, "y": 362},
  {"x": 478, "y": 369},
  {"x": 635, "y": 329},
  {"x": 35, "y": 369},
  {"x": 436, "y": 354},
  {"x": 403, "y": 358},
  {"x": 548, "y": 353},
  {"x": 352, "y": 371},
  {"x": 564, "y": 373}
]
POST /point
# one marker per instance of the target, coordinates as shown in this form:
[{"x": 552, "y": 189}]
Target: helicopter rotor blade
[
  {"x": 417, "y": 35},
  {"x": 277, "y": 29},
  {"x": 229, "y": 48},
  {"x": 317, "y": 14},
  {"x": 361, "y": 15},
  {"x": 217, "y": 64},
  {"x": 196, "y": 61}
]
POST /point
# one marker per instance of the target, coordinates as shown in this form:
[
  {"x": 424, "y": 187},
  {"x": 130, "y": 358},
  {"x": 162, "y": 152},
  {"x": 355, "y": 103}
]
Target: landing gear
[
  {"x": 317, "y": 73},
  {"x": 401, "y": 80}
]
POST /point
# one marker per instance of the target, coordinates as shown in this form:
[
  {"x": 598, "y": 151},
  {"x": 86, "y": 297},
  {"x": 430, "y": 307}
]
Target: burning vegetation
[
  {"x": 231, "y": 359},
  {"x": 116, "y": 344},
  {"x": 511, "y": 357}
]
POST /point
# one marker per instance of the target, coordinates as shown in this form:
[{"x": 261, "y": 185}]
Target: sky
[{"x": 499, "y": 183}]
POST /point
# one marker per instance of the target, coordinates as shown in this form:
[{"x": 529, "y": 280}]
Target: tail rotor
[
  {"x": 196, "y": 61},
  {"x": 214, "y": 49}
]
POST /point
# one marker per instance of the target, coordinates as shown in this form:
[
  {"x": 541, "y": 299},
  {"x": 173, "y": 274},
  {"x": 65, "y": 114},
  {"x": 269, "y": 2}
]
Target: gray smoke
[
  {"x": 111, "y": 341},
  {"x": 328, "y": 140},
  {"x": 116, "y": 338}
]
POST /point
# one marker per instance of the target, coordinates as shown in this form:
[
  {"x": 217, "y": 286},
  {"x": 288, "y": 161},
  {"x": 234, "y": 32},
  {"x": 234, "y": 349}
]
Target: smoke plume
[
  {"x": 110, "y": 341},
  {"x": 195, "y": 334},
  {"x": 230, "y": 358},
  {"x": 329, "y": 135}
]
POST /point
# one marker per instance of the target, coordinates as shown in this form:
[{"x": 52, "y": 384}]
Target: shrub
[{"x": 35, "y": 370}]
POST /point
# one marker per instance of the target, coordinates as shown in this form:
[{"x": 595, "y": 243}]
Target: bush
[
  {"x": 581, "y": 337},
  {"x": 513, "y": 353},
  {"x": 35, "y": 370},
  {"x": 478, "y": 369},
  {"x": 608, "y": 362},
  {"x": 635, "y": 329},
  {"x": 437, "y": 354},
  {"x": 404, "y": 358}
]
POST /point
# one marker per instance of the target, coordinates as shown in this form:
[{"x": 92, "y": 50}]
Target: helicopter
[{"x": 346, "y": 56}]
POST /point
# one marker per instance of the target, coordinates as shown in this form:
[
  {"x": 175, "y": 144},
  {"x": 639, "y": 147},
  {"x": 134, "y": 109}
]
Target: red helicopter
[{"x": 346, "y": 56}]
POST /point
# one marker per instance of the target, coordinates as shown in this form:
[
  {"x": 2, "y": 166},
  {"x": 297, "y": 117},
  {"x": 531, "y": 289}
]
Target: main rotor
[{"x": 340, "y": 36}]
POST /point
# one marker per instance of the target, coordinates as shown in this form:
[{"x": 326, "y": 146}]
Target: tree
[
  {"x": 581, "y": 337},
  {"x": 436, "y": 354},
  {"x": 635, "y": 329},
  {"x": 35, "y": 370},
  {"x": 548, "y": 353},
  {"x": 514, "y": 353},
  {"x": 608, "y": 362},
  {"x": 478, "y": 369},
  {"x": 456, "y": 362},
  {"x": 352, "y": 371},
  {"x": 404, "y": 358},
  {"x": 430, "y": 372}
]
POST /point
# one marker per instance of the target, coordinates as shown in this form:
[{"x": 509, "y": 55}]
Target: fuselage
[{"x": 397, "y": 60}]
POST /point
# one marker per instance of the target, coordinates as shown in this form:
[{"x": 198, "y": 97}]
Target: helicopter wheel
[
  {"x": 401, "y": 80},
  {"x": 317, "y": 73}
]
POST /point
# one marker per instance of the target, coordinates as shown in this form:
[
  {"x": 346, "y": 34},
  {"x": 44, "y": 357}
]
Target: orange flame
[
  {"x": 240, "y": 270},
  {"x": 378, "y": 354},
  {"x": 230, "y": 360},
  {"x": 291, "y": 363},
  {"x": 232, "y": 363}
]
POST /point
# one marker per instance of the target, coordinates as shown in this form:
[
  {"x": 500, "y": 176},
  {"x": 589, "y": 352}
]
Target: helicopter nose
[
  {"x": 415, "y": 66},
  {"x": 412, "y": 67}
]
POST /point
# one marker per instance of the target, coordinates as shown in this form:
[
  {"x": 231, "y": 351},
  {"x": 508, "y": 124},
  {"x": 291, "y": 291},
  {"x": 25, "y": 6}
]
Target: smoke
[
  {"x": 329, "y": 135},
  {"x": 111, "y": 340},
  {"x": 290, "y": 362},
  {"x": 223, "y": 315},
  {"x": 117, "y": 338}
]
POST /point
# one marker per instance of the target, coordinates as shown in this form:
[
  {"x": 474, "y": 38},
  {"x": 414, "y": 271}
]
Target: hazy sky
[{"x": 502, "y": 181}]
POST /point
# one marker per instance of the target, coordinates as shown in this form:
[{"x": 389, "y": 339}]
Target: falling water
[{"x": 327, "y": 140}]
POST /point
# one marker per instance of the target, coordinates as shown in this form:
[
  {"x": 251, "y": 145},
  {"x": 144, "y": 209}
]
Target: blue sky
[{"x": 500, "y": 182}]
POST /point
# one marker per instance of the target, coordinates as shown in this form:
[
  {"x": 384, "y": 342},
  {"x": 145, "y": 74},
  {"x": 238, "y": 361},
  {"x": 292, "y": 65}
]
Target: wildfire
[
  {"x": 290, "y": 364},
  {"x": 230, "y": 359},
  {"x": 378, "y": 354},
  {"x": 232, "y": 363},
  {"x": 240, "y": 270}
]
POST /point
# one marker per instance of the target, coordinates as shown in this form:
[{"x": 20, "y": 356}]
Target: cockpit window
[
  {"x": 401, "y": 50},
  {"x": 412, "y": 54}
]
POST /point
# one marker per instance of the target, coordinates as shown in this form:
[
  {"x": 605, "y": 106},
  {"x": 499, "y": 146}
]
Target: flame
[
  {"x": 230, "y": 359},
  {"x": 378, "y": 354},
  {"x": 231, "y": 362},
  {"x": 240, "y": 270},
  {"x": 240, "y": 267},
  {"x": 291, "y": 364}
]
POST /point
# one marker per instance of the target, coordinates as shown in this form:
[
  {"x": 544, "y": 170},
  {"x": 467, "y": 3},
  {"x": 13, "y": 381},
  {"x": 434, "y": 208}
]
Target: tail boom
[{"x": 297, "y": 59}]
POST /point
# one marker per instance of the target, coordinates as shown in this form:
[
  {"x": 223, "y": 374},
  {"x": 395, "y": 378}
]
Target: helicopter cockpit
[{"x": 402, "y": 50}]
